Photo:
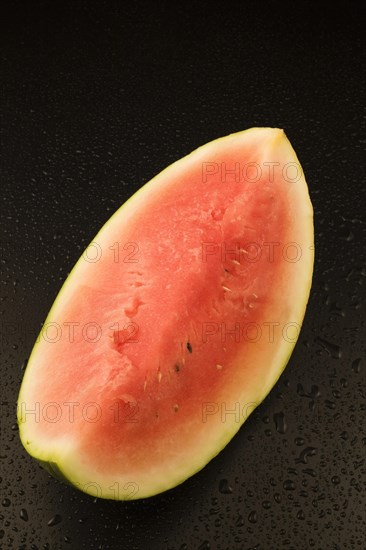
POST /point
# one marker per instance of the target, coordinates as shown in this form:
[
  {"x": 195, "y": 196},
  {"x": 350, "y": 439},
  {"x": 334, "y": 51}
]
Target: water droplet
[
  {"x": 224, "y": 487},
  {"x": 240, "y": 521},
  {"x": 358, "y": 463},
  {"x": 347, "y": 235},
  {"x": 300, "y": 515},
  {"x": 310, "y": 472},
  {"x": 253, "y": 518},
  {"x": 333, "y": 350},
  {"x": 23, "y": 514},
  {"x": 54, "y": 520},
  {"x": 314, "y": 392},
  {"x": 6, "y": 502},
  {"x": 304, "y": 455},
  {"x": 266, "y": 504},
  {"x": 280, "y": 422},
  {"x": 24, "y": 365},
  {"x": 289, "y": 485},
  {"x": 335, "y": 480},
  {"x": 356, "y": 365},
  {"x": 299, "y": 441}
]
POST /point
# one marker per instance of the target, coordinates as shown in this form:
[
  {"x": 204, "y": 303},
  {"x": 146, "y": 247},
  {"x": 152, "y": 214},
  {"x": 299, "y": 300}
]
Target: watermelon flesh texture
[{"x": 175, "y": 323}]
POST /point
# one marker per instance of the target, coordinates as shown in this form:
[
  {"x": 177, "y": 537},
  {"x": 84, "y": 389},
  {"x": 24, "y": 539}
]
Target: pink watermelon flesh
[{"x": 175, "y": 323}]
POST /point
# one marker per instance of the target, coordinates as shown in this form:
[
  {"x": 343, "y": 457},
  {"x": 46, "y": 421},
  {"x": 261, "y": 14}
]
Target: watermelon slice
[{"x": 176, "y": 321}]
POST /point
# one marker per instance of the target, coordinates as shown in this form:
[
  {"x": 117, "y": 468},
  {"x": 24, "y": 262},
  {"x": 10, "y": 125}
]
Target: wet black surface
[{"x": 97, "y": 100}]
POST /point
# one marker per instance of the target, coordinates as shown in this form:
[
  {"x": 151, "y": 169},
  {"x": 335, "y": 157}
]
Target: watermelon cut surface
[{"x": 176, "y": 321}]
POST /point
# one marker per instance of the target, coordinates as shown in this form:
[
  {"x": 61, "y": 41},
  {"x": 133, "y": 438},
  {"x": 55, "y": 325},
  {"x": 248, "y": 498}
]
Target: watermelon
[{"x": 176, "y": 321}]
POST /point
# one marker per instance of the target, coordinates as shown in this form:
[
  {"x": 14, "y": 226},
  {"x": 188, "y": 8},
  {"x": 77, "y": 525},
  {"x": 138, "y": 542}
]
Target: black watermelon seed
[{"x": 189, "y": 347}]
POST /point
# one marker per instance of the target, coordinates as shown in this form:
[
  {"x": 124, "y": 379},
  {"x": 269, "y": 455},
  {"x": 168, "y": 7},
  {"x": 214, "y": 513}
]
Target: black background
[{"x": 96, "y": 99}]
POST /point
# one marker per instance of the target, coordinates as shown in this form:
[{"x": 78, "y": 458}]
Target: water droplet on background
[
  {"x": 333, "y": 349},
  {"x": 225, "y": 487},
  {"x": 289, "y": 485},
  {"x": 280, "y": 422},
  {"x": 23, "y": 514},
  {"x": 356, "y": 365},
  {"x": 54, "y": 520},
  {"x": 252, "y": 517}
]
